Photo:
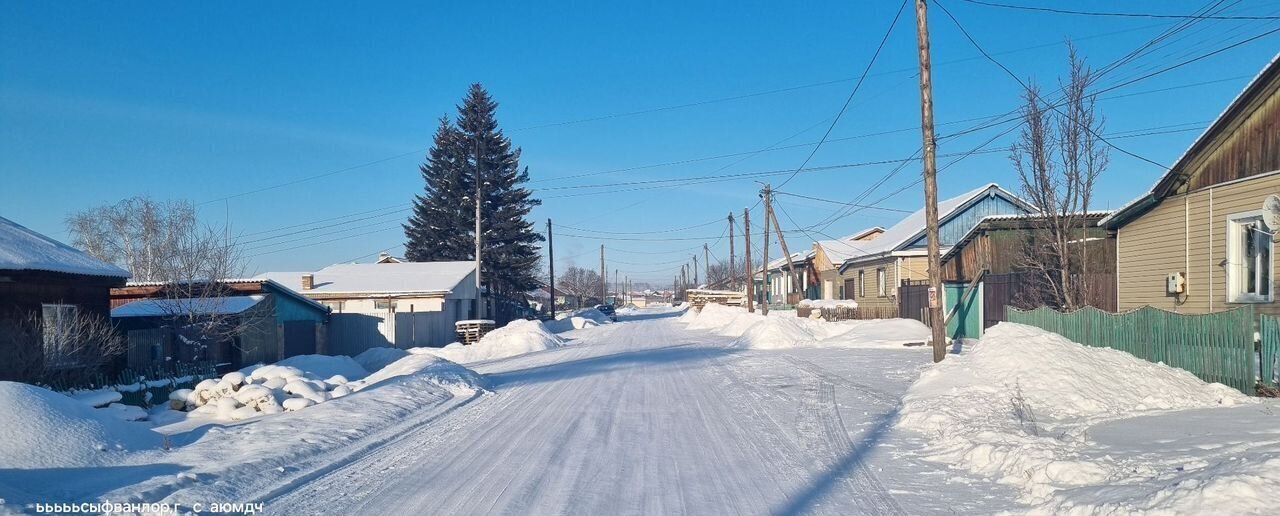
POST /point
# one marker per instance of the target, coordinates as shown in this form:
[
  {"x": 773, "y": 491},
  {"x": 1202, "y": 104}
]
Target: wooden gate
[
  {"x": 299, "y": 339},
  {"x": 913, "y": 300}
]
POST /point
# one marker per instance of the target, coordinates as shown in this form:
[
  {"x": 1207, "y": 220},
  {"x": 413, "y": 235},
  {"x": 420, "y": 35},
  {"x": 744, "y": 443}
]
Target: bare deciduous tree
[
  {"x": 63, "y": 345},
  {"x": 719, "y": 277},
  {"x": 163, "y": 242},
  {"x": 580, "y": 283},
  {"x": 1059, "y": 155}
]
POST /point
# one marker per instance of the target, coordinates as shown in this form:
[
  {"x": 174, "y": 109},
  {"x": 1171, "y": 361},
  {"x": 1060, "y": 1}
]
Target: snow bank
[
  {"x": 578, "y": 320},
  {"x": 325, "y": 366},
  {"x": 374, "y": 359},
  {"x": 516, "y": 338},
  {"x": 788, "y": 331},
  {"x": 45, "y": 429},
  {"x": 426, "y": 368},
  {"x": 827, "y": 303},
  {"x": 1018, "y": 407}
]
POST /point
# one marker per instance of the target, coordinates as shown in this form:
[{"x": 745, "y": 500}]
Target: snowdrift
[
  {"x": 1018, "y": 407},
  {"x": 516, "y": 338},
  {"x": 785, "y": 330},
  {"x": 45, "y": 429},
  {"x": 578, "y": 320},
  {"x": 426, "y": 369},
  {"x": 374, "y": 359},
  {"x": 326, "y": 366}
]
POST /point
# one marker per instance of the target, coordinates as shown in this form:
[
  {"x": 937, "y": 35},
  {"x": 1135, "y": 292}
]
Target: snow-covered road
[{"x": 647, "y": 417}]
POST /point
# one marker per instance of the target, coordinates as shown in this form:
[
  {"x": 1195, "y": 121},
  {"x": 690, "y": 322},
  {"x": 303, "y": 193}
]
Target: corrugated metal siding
[{"x": 957, "y": 226}]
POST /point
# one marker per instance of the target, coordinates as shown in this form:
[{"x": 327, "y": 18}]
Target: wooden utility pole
[
  {"x": 615, "y": 285},
  {"x": 732, "y": 257},
  {"x": 930, "y": 183},
  {"x": 479, "y": 235},
  {"x": 706, "y": 263},
  {"x": 551, "y": 268},
  {"x": 604, "y": 276},
  {"x": 695, "y": 271},
  {"x": 764, "y": 266},
  {"x": 751, "y": 281},
  {"x": 782, "y": 240}
]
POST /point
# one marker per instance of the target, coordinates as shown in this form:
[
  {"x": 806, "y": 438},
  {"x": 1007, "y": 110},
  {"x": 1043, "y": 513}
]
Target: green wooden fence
[
  {"x": 1215, "y": 347},
  {"x": 1270, "y": 353}
]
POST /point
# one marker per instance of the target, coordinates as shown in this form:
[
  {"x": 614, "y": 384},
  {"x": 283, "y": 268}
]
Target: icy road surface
[{"x": 646, "y": 417}]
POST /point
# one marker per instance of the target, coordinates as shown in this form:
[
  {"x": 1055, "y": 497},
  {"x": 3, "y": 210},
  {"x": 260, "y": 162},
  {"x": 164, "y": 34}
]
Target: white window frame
[
  {"x": 862, "y": 284},
  {"x": 882, "y": 282},
  {"x": 1236, "y": 261}
]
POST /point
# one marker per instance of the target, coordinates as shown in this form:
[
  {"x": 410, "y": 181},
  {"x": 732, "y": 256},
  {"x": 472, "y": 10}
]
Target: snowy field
[{"x": 669, "y": 411}]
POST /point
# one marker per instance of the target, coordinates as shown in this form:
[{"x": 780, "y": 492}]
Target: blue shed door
[{"x": 967, "y": 322}]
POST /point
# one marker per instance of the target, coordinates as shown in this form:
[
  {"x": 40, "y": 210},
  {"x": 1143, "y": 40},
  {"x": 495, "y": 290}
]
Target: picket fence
[{"x": 1217, "y": 347}]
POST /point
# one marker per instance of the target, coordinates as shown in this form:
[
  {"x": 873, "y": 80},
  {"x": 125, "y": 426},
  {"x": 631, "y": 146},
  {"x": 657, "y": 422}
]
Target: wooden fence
[
  {"x": 1269, "y": 353},
  {"x": 1215, "y": 347}
]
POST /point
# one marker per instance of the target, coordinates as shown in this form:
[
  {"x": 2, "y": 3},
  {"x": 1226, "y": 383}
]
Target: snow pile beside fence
[
  {"x": 1018, "y": 407},
  {"x": 45, "y": 429},
  {"x": 785, "y": 331},
  {"x": 827, "y": 303},
  {"x": 724, "y": 320},
  {"x": 516, "y": 338},
  {"x": 426, "y": 369},
  {"x": 374, "y": 359},
  {"x": 326, "y": 366}
]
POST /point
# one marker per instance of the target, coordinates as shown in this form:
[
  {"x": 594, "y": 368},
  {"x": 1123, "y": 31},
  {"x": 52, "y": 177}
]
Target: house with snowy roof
[
  {"x": 872, "y": 270},
  {"x": 829, "y": 255},
  {"x": 389, "y": 303},
  {"x": 43, "y": 282},
  {"x": 1202, "y": 239}
]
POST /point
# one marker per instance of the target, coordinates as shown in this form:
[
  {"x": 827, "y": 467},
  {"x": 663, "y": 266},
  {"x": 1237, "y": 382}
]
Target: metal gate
[{"x": 299, "y": 339}]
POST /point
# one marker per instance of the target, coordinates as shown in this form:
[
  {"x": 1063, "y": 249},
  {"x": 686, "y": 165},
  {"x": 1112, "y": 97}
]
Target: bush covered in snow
[
  {"x": 45, "y": 429},
  {"x": 516, "y": 338},
  {"x": 1018, "y": 407}
]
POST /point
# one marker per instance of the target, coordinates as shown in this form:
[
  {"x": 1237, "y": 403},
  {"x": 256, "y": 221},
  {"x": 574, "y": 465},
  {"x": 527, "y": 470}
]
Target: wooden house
[
  {"x": 991, "y": 260},
  {"x": 873, "y": 271},
  {"x": 272, "y": 322},
  {"x": 401, "y": 304},
  {"x": 1199, "y": 241},
  {"x": 44, "y": 281},
  {"x": 829, "y": 255}
]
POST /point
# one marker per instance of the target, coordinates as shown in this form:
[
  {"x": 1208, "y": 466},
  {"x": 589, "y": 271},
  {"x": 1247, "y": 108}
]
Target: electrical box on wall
[{"x": 1176, "y": 283}]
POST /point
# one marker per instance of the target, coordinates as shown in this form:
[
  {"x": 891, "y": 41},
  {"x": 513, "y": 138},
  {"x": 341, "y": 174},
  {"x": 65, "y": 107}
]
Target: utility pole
[
  {"x": 695, "y": 271},
  {"x": 930, "y": 183},
  {"x": 706, "y": 263},
  {"x": 551, "y": 267},
  {"x": 615, "y": 285},
  {"x": 791, "y": 268},
  {"x": 768, "y": 214},
  {"x": 480, "y": 301},
  {"x": 751, "y": 280},
  {"x": 732, "y": 278},
  {"x": 604, "y": 276}
]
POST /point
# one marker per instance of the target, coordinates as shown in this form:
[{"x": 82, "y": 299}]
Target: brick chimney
[{"x": 308, "y": 281}]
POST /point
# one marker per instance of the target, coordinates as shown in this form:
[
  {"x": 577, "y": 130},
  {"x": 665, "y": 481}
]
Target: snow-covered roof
[
  {"x": 847, "y": 246},
  {"x": 911, "y": 227},
  {"x": 22, "y": 249},
  {"x": 195, "y": 306},
  {"x": 1148, "y": 198},
  {"x": 379, "y": 278},
  {"x": 278, "y": 287}
]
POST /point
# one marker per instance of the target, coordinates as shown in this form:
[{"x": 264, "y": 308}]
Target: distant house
[
  {"x": 1199, "y": 240},
  {"x": 991, "y": 258},
  {"x": 401, "y": 304},
  {"x": 829, "y": 255},
  {"x": 44, "y": 281},
  {"x": 873, "y": 271},
  {"x": 271, "y": 322},
  {"x": 778, "y": 284}
]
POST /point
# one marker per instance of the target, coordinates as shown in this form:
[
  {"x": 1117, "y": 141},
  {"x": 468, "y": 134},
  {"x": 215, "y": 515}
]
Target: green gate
[
  {"x": 966, "y": 323},
  {"x": 1269, "y": 326},
  {"x": 1215, "y": 347}
]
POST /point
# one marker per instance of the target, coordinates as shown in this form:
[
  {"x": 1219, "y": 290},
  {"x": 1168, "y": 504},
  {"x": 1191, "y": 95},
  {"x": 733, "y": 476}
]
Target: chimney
[{"x": 308, "y": 281}]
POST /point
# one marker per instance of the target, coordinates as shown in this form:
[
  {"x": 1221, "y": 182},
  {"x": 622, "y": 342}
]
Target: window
[
  {"x": 336, "y": 306},
  {"x": 862, "y": 284},
  {"x": 881, "y": 284},
  {"x": 56, "y": 322},
  {"x": 842, "y": 292},
  {"x": 1249, "y": 257},
  {"x": 384, "y": 304}
]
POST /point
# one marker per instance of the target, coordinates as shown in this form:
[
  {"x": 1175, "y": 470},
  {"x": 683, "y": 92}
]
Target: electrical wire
[{"x": 1117, "y": 14}]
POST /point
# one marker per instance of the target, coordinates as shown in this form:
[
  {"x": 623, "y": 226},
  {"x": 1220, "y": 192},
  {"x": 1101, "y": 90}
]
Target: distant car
[{"x": 609, "y": 311}]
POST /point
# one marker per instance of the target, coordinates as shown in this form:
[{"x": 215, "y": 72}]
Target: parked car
[{"x": 609, "y": 311}]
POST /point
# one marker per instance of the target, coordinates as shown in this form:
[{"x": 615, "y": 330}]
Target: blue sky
[{"x": 221, "y": 103}]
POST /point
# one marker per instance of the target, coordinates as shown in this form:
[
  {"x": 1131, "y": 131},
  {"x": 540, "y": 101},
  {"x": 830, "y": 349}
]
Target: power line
[
  {"x": 1120, "y": 15},
  {"x": 674, "y": 230},
  {"x": 849, "y": 99},
  {"x": 842, "y": 203}
]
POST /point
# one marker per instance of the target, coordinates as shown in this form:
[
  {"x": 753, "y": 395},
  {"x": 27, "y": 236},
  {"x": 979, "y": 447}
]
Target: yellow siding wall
[
  {"x": 1187, "y": 233},
  {"x": 873, "y": 299}
]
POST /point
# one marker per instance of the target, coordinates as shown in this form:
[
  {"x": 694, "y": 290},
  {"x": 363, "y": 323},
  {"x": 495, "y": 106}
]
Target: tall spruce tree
[
  {"x": 440, "y": 228},
  {"x": 511, "y": 251}
]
